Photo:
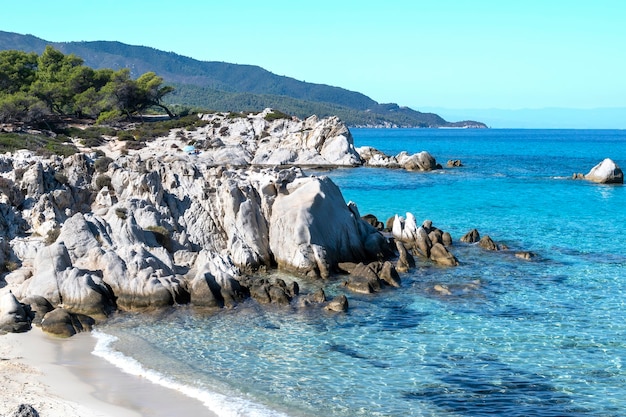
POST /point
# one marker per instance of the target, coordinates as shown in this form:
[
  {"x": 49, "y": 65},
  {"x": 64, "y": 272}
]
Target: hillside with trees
[{"x": 223, "y": 86}]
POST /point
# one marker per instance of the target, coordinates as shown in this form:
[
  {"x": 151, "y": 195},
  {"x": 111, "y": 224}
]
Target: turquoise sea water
[{"x": 545, "y": 337}]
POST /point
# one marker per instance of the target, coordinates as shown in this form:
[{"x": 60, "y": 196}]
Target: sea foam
[{"x": 222, "y": 405}]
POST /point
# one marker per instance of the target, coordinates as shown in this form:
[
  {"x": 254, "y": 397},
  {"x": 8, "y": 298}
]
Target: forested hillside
[{"x": 232, "y": 87}]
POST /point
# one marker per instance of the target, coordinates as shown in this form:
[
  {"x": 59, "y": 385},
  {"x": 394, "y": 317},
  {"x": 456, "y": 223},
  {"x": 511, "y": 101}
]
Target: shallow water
[{"x": 544, "y": 337}]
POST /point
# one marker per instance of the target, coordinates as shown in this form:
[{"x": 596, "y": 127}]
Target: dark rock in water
[
  {"x": 277, "y": 292},
  {"x": 370, "y": 278},
  {"x": 317, "y": 297},
  {"x": 471, "y": 237},
  {"x": 346, "y": 267},
  {"x": 441, "y": 255},
  {"x": 39, "y": 307},
  {"x": 25, "y": 410},
  {"x": 525, "y": 255},
  {"x": 338, "y": 304},
  {"x": 436, "y": 236},
  {"x": 405, "y": 259},
  {"x": 260, "y": 293},
  {"x": 61, "y": 322},
  {"x": 487, "y": 243},
  {"x": 278, "y": 295},
  {"x": 361, "y": 285},
  {"x": 389, "y": 223},
  {"x": 452, "y": 163},
  {"x": 389, "y": 274},
  {"x": 423, "y": 244}
]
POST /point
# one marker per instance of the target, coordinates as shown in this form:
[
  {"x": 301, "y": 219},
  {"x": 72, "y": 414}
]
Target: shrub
[
  {"x": 11, "y": 266},
  {"x": 102, "y": 164},
  {"x": 121, "y": 212},
  {"x": 103, "y": 181},
  {"x": 275, "y": 115},
  {"x": 52, "y": 236},
  {"x": 125, "y": 135},
  {"x": 134, "y": 146}
]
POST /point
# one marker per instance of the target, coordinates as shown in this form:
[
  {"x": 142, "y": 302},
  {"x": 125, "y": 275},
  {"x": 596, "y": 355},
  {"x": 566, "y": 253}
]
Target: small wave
[{"x": 219, "y": 404}]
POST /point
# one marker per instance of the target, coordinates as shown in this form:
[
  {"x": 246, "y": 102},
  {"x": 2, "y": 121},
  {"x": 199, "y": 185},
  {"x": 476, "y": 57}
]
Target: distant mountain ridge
[{"x": 233, "y": 87}]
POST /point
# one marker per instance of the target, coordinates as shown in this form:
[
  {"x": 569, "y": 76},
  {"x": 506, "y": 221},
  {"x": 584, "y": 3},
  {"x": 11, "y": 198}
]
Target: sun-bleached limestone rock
[
  {"x": 606, "y": 172},
  {"x": 312, "y": 228},
  {"x": 421, "y": 161}
]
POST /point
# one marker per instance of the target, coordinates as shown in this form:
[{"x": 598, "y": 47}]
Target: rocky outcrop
[
  {"x": 422, "y": 161},
  {"x": 306, "y": 239},
  {"x": 606, "y": 172},
  {"x": 265, "y": 139},
  {"x": 425, "y": 241},
  {"x": 169, "y": 230}
]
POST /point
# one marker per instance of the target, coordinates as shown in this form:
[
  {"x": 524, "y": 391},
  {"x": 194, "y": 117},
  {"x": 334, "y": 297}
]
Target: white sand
[{"x": 60, "y": 377}]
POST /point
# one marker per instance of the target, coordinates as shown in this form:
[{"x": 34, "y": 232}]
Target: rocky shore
[
  {"x": 186, "y": 219},
  {"x": 198, "y": 216}
]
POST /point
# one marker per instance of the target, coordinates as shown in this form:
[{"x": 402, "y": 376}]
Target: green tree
[
  {"x": 17, "y": 71},
  {"x": 151, "y": 91},
  {"x": 52, "y": 84}
]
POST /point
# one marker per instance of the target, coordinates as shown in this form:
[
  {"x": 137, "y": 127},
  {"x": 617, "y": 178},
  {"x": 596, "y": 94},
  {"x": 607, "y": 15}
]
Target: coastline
[{"x": 61, "y": 377}]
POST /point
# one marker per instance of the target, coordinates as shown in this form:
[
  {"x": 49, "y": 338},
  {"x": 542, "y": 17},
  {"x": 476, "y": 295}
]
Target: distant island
[{"x": 221, "y": 86}]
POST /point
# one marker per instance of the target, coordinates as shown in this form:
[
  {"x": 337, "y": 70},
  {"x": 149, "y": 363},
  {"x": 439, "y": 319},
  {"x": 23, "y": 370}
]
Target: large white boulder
[
  {"x": 606, "y": 172},
  {"x": 312, "y": 228}
]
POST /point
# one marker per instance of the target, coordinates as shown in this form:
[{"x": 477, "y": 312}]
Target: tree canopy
[{"x": 33, "y": 87}]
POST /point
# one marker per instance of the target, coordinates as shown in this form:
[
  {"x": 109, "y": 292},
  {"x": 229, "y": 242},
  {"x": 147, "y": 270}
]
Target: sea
[{"x": 544, "y": 336}]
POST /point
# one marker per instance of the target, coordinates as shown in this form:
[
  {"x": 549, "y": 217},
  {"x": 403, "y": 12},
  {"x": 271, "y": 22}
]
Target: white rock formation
[
  {"x": 421, "y": 161},
  {"x": 174, "y": 228},
  {"x": 263, "y": 140},
  {"x": 606, "y": 172}
]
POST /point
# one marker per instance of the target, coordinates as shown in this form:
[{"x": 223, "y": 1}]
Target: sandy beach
[{"x": 61, "y": 377}]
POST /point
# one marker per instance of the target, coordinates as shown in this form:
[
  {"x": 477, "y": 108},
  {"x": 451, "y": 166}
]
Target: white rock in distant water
[
  {"x": 421, "y": 161},
  {"x": 606, "y": 172}
]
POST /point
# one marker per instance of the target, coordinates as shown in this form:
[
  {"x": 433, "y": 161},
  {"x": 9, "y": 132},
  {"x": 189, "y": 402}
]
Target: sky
[{"x": 479, "y": 54}]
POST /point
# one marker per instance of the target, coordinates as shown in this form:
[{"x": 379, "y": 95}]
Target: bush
[
  {"x": 52, "y": 236},
  {"x": 103, "y": 181},
  {"x": 121, "y": 213},
  {"x": 125, "y": 135},
  {"x": 275, "y": 115},
  {"x": 102, "y": 164}
]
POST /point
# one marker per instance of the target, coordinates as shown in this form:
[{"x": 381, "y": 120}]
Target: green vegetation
[
  {"x": 36, "y": 88},
  {"x": 39, "y": 144},
  {"x": 228, "y": 87}
]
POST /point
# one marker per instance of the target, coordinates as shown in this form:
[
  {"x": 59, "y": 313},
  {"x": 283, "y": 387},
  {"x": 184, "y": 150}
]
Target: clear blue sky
[{"x": 443, "y": 53}]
